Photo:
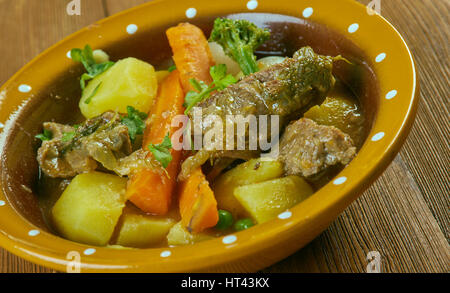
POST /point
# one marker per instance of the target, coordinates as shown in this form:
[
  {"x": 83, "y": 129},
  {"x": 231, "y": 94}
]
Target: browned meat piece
[
  {"x": 100, "y": 139},
  {"x": 284, "y": 89},
  {"x": 307, "y": 148},
  {"x": 281, "y": 89},
  {"x": 108, "y": 145},
  {"x": 57, "y": 129},
  {"x": 138, "y": 160}
]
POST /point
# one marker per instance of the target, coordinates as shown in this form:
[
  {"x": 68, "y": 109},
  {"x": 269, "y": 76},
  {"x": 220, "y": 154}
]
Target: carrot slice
[
  {"x": 191, "y": 53},
  {"x": 198, "y": 206},
  {"x": 193, "y": 58},
  {"x": 151, "y": 189}
]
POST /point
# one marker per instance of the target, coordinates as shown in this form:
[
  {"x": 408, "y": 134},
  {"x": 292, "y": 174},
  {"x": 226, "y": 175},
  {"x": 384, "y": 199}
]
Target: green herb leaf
[
  {"x": 84, "y": 78},
  {"x": 99, "y": 68},
  {"x": 76, "y": 55},
  {"x": 68, "y": 136},
  {"x": 94, "y": 92},
  {"x": 135, "y": 122},
  {"x": 192, "y": 98},
  {"x": 198, "y": 85},
  {"x": 86, "y": 57},
  {"x": 220, "y": 81},
  {"x": 220, "y": 78},
  {"x": 161, "y": 152},
  {"x": 46, "y": 135},
  {"x": 218, "y": 72},
  {"x": 172, "y": 68}
]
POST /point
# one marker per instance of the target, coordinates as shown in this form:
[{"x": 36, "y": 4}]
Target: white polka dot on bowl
[
  {"x": 166, "y": 253},
  {"x": 229, "y": 239},
  {"x": 89, "y": 251},
  {"x": 285, "y": 215},
  {"x": 69, "y": 54},
  {"x": 378, "y": 136},
  {"x": 132, "y": 29},
  {"x": 24, "y": 88},
  {"x": 353, "y": 28},
  {"x": 391, "y": 94},
  {"x": 252, "y": 4},
  {"x": 380, "y": 57},
  {"x": 308, "y": 12},
  {"x": 33, "y": 233},
  {"x": 2, "y": 203},
  {"x": 340, "y": 180},
  {"x": 191, "y": 13}
]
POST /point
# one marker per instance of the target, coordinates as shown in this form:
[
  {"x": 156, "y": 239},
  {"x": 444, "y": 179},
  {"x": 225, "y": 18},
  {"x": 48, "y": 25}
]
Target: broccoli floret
[{"x": 239, "y": 39}]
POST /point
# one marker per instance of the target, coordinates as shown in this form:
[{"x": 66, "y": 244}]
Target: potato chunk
[
  {"x": 89, "y": 208},
  {"x": 340, "y": 112},
  {"x": 252, "y": 171},
  {"x": 267, "y": 199},
  {"x": 180, "y": 236},
  {"x": 143, "y": 231},
  {"x": 129, "y": 82}
]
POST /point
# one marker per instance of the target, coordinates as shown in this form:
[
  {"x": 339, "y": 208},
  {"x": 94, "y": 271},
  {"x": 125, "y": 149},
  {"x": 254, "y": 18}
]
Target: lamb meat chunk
[
  {"x": 54, "y": 162},
  {"x": 101, "y": 139},
  {"x": 107, "y": 146},
  {"x": 307, "y": 148},
  {"x": 286, "y": 89},
  {"x": 281, "y": 89}
]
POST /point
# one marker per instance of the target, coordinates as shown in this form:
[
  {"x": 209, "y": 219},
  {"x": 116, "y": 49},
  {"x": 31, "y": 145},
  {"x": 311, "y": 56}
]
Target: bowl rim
[{"x": 214, "y": 252}]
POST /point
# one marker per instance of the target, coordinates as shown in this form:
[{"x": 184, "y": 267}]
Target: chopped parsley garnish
[
  {"x": 68, "y": 136},
  {"x": 220, "y": 81},
  {"x": 46, "y": 135},
  {"x": 172, "y": 68},
  {"x": 161, "y": 152},
  {"x": 220, "y": 78},
  {"x": 88, "y": 100},
  {"x": 135, "y": 121},
  {"x": 86, "y": 57},
  {"x": 192, "y": 98}
]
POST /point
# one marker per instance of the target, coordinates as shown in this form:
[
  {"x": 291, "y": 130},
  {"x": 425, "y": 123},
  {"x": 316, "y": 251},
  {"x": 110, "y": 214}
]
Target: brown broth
[{"x": 59, "y": 103}]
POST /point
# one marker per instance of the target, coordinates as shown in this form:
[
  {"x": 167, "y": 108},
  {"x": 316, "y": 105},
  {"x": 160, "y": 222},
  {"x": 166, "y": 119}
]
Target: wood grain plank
[
  {"x": 29, "y": 27},
  {"x": 114, "y": 6},
  {"x": 26, "y": 29},
  {"x": 425, "y": 163},
  {"x": 421, "y": 170},
  {"x": 427, "y": 154},
  {"x": 425, "y": 27}
]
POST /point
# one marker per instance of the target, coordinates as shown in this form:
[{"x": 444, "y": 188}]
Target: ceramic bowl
[{"x": 47, "y": 88}]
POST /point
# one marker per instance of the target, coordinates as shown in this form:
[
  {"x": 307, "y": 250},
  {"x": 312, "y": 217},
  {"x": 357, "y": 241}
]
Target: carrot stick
[
  {"x": 191, "y": 53},
  {"x": 198, "y": 206},
  {"x": 151, "y": 189},
  {"x": 193, "y": 58}
]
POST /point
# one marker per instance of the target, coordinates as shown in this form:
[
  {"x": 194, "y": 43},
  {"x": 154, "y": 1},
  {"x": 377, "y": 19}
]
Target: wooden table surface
[{"x": 404, "y": 215}]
